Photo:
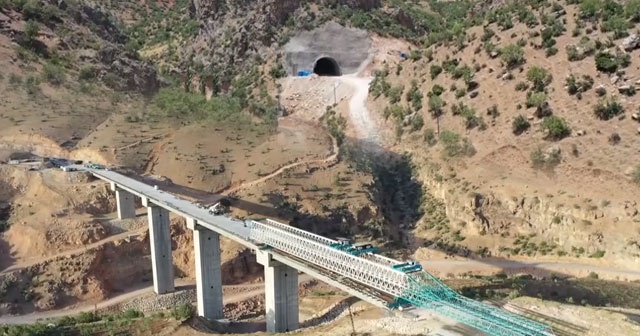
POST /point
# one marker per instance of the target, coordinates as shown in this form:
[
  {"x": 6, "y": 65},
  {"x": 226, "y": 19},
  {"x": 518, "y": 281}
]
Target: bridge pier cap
[{"x": 265, "y": 259}]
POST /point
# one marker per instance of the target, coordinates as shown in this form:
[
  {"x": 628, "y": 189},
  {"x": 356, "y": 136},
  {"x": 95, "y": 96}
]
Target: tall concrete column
[
  {"x": 125, "y": 201},
  {"x": 160, "y": 240},
  {"x": 126, "y": 204},
  {"x": 281, "y": 294},
  {"x": 208, "y": 275}
]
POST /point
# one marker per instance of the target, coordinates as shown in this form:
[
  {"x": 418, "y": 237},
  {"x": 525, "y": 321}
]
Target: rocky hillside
[
  {"x": 525, "y": 124},
  {"x": 521, "y": 116}
]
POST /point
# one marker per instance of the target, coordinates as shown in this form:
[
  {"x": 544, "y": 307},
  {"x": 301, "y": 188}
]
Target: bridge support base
[
  {"x": 281, "y": 294},
  {"x": 126, "y": 203},
  {"x": 161, "y": 258},
  {"x": 208, "y": 275}
]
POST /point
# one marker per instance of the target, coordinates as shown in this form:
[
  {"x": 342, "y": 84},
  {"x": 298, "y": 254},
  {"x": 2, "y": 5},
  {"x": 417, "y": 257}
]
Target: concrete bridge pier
[
  {"x": 281, "y": 294},
  {"x": 160, "y": 240},
  {"x": 126, "y": 203},
  {"x": 208, "y": 273}
]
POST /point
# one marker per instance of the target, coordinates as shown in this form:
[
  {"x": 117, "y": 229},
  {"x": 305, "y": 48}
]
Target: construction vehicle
[
  {"x": 220, "y": 208},
  {"x": 93, "y": 166},
  {"x": 408, "y": 267},
  {"x": 362, "y": 248}
]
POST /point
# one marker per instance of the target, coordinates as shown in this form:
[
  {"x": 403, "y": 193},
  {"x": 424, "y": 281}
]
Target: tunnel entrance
[{"x": 327, "y": 66}]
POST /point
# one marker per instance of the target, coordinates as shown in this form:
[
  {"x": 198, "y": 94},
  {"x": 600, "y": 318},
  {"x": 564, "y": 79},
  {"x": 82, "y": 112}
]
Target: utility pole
[{"x": 335, "y": 100}]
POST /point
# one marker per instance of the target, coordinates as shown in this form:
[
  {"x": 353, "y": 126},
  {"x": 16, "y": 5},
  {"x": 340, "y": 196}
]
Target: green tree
[
  {"x": 539, "y": 77},
  {"x": 435, "y": 106}
]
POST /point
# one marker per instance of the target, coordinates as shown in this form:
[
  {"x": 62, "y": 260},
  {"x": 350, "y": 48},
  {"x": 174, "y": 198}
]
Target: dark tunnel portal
[{"x": 327, "y": 66}]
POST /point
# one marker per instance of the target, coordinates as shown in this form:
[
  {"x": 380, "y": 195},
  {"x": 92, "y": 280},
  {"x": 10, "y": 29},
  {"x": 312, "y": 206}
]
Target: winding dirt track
[
  {"x": 134, "y": 293},
  {"x": 329, "y": 160}
]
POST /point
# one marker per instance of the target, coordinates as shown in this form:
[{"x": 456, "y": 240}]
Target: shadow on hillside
[
  {"x": 398, "y": 195},
  {"x": 6, "y": 257}
]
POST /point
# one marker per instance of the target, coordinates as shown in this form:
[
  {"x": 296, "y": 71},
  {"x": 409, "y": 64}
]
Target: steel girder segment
[
  {"x": 525, "y": 325},
  {"x": 425, "y": 291},
  {"x": 301, "y": 233},
  {"x": 361, "y": 270},
  {"x": 435, "y": 295}
]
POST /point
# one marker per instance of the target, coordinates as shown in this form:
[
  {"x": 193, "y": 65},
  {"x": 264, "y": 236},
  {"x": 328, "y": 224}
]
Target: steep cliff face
[{"x": 542, "y": 224}]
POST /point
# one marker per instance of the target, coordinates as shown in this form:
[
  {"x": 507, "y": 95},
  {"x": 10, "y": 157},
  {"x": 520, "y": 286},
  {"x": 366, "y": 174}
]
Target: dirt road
[
  {"x": 34, "y": 261},
  {"x": 358, "y": 113},
  {"x": 573, "y": 269},
  {"x": 134, "y": 293},
  {"x": 333, "y": 157}
]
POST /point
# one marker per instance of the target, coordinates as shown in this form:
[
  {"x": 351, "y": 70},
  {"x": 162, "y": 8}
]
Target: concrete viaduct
[
  {"x": 284, "y": 251},
  {"x": 281, "y": 272}
]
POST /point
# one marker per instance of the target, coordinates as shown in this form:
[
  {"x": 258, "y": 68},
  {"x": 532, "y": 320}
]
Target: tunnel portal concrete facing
[{"x": 329, "y": 50}]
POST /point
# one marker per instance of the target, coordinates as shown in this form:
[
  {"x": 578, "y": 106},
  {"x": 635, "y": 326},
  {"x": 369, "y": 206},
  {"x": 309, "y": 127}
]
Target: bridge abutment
[
  {"x": 281, "y": 294},
  {"x": 126, "y": 203},
  {"x": 161, "y": 258},
  {"x": 208, "y": 273}
]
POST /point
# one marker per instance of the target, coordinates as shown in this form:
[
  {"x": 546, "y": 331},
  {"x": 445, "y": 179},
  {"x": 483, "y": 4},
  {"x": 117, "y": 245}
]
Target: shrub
[
  {"x": 512, "y": 55},
  {"x": 31, "y": 32},
  {"x": 88, "y": 73},
  {"x": 576, "y": 86},
  {"x": 454, "y": 145},
  {"x": 608, "y": 62},
  {"x": 471, "y": 120},
  {"x": 53, "y": 74},
  {"x": 573, "y": 54},
  {"x": 415, "y": 96},
  {"x": 183, "y": 311},
  {"x": 437, "y": 90},
  {"x": 417, "y": 122},
  {"x": 395, "y": 94},
  {"x": 614, "y": 139},
  {"x": 493, "y": 111},
  {"x": 557, "y": 127},
  {"x": 618, "y": 25},
  {"x": 278, "y": 71},
  {"x": 635, "y": 175},
  {"x": 539, "y": 78},
  {"x": 520, "y": 125},
  {"x": 435, "y": 71},
  {"x": 545, "y": 160},
  {"x": 522, "y": 86},
  {"x": 430, "y": 137},
  {"x": 536, "y": 99},
  {"x": 131, "y": 314},
  {"x": 607, "y": 109}
]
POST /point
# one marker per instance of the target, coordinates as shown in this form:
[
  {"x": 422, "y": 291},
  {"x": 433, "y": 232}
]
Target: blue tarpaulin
[{"x": 304, "y": 73}]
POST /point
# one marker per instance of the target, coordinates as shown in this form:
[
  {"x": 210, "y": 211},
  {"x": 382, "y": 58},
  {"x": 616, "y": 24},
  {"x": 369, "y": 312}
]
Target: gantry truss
[{"x": 419, "y": 289}]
